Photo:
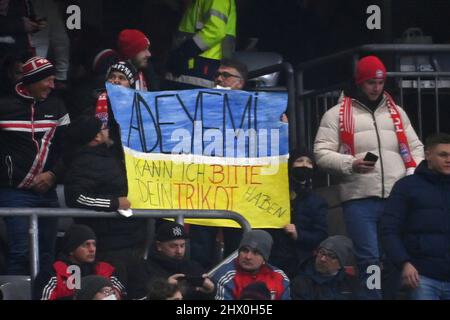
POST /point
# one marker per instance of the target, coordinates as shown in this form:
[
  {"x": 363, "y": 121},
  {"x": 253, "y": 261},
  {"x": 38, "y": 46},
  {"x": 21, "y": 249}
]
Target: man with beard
[
  {"x": 297, "y": 240},
  {"x": 78, "y": 252},
  {"x": 95, "y": 180},
  {"x": 323, "y": 277},
  {"x": 134, "y": 47},
  {"x": 167, "y": 260},
  {"x": 251, "y": 266}
]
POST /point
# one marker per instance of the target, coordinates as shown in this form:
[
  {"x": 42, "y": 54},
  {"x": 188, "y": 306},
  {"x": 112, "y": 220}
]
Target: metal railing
[
  {"x": 178, "y": 215},
  {"x": 311, "y": 104},
  {"x": 288, "y": 73}
]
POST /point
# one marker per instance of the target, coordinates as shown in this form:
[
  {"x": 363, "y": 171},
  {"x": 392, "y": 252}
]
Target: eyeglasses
[
  {"x": 226, "y": 75},
  {"x": 327, "y": 254}
]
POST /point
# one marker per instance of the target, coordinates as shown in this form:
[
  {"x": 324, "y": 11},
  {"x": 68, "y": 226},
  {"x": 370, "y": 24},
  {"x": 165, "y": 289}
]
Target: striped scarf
[{"x": 347, "y": 130}]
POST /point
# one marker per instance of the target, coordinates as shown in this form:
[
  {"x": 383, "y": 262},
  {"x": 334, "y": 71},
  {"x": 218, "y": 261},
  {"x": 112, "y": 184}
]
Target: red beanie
[
  {"x": 131, "y": 42},
  {"x": 369, "y": 67}
]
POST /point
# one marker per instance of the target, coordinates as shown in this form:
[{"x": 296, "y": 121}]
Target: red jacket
[
  {"x": 54, "y": 286},
  {"x": 230, "y": 280}
]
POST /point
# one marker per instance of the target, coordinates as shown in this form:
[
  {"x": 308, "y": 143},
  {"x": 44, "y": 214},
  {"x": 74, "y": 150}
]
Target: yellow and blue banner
[{"x": 206, "y": 149}]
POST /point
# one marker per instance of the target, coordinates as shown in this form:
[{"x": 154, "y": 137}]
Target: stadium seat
[
  {"x": 17, "y": 290},
  {"x": 257, "y": 60},
  {"x": 8, "y": 278}
]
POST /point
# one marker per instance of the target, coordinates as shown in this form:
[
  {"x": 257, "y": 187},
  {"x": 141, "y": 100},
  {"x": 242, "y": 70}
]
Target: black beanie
[
  {"x": 126, "y": 69},
  {"x": 169, "y": 231},
  {"x": 297, "y": 153},
  {"x": 76, "y": 236},
  {"x": 83, "y": 129},
  {"x": 90, "y": 286}
]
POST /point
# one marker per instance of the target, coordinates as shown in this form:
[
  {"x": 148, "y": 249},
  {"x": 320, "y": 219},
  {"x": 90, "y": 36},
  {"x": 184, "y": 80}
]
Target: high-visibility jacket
[{"x": 212, "y": 25}]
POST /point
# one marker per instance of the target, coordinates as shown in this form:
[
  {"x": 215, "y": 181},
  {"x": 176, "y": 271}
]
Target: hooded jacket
[{"x": 374, "y": 132}]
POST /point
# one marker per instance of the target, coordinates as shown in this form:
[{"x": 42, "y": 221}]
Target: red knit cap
[
  {"x": 131, "y": 42},
  {"x": 369, "y": 67}
]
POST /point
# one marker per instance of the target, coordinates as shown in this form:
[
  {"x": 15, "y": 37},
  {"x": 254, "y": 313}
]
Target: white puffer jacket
[{"x": 374, "y": 132}]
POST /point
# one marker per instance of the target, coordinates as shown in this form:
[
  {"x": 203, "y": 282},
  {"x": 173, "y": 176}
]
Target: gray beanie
[
  {"x": 258, "y": 240},
  {"x": 341, "y": 246}
]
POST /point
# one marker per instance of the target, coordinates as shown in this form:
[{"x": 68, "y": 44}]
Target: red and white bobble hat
[{"x": 36, "y": 69}]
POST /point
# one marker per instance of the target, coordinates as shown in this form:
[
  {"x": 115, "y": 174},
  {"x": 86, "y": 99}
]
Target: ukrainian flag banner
[{"x": 206, "y": 149}]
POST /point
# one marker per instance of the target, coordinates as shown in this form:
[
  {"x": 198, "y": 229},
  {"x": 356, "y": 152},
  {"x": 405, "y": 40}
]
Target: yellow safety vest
[{"x": 212, "y": 25}]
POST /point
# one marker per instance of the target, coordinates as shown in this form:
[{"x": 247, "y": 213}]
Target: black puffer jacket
[{"x": 95, "y": 180}]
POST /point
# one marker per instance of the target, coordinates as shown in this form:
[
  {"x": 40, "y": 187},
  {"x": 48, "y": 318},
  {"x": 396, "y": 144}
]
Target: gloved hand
[{"x": 178, "y": 61}]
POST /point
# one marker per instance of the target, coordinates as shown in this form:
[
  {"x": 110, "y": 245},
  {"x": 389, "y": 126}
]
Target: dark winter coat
[
  {"x": 416, "y": 223},
  {"x": 95, "y": 180},
  {"x": 310, "y": 218}
]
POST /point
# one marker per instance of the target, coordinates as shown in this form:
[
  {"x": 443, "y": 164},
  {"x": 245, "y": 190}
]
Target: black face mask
[{"x": 302, "y": 175}]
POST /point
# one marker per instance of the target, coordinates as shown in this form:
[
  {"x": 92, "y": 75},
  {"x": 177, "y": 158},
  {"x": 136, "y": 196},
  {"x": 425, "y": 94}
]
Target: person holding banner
[
  {"x": 231, "y": 75},
  {"x": 96, "y": 180},
  {"x": 297, "y": 240},
  {"x": 369, "y": 142}
]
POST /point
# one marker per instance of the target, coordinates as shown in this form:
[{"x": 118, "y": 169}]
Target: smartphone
[
  {"x": 195, "y": 281},
  {"x": 371, "y": 157}
]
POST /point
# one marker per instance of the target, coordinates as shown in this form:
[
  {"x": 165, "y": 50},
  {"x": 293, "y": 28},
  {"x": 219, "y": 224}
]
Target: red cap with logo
[{"x": 369, "y": 67}]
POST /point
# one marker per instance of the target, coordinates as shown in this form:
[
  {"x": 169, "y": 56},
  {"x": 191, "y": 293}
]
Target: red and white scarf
[
  {"x": 347, "y": 130},
  {"x": 101, "y": 108},
  {"x": 141, "y": 84}
]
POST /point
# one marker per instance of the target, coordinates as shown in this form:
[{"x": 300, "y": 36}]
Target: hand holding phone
[
  {"x": 371, "y": 157},
  {"x": 195, "y": 281}
]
